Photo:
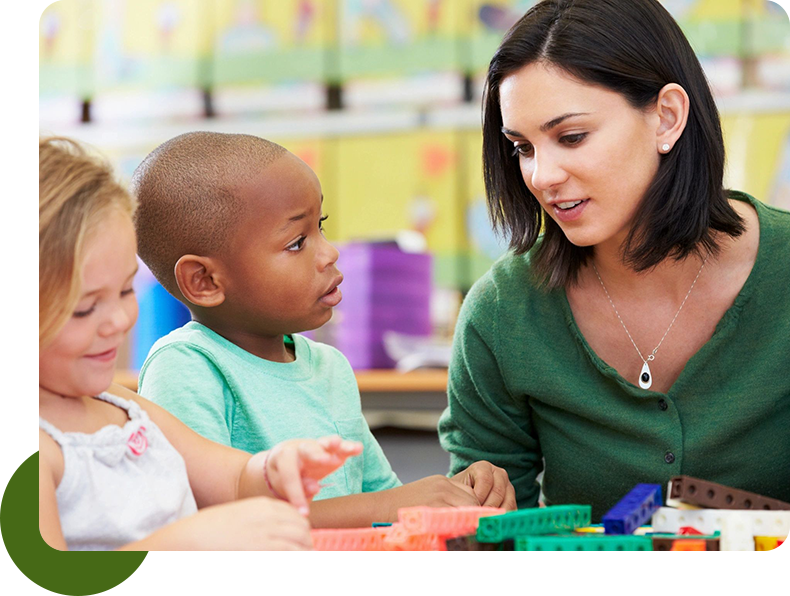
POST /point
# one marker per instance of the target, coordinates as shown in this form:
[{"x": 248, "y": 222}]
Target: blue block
[{"x": 633, "y": 510}]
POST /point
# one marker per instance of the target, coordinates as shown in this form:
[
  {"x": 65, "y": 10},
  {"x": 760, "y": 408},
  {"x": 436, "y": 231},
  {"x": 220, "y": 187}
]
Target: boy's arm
[
  {"x": 361, "y": 510},
  {"x": 187, "y": 383},
  {"x": 220, "y": 474}
]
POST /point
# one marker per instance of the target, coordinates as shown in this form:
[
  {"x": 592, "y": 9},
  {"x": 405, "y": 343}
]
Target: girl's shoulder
[{"x": 50, "y": 457}]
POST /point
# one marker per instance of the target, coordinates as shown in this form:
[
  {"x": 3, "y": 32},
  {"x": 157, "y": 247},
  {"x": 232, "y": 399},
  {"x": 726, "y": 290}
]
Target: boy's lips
[{"x": 333, "y": 296}]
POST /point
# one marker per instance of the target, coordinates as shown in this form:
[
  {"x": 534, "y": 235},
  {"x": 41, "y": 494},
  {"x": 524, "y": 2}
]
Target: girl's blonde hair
[{"x": 76, "y": 192}]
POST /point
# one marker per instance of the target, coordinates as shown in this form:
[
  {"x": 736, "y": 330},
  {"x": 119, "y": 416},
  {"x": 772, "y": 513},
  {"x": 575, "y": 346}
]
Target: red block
[
  {"x": 444, "y": 521},
  {"x": 350, "y": 539}
]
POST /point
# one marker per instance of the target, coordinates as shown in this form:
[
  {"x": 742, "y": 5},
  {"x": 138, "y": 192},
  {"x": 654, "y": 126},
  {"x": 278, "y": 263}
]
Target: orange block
[
  {"x": 687, "y": 550},
  {"x": 399, "y": 538},
  {"x": 445, "y": 521},
  {"x": 350, "y": 539}
]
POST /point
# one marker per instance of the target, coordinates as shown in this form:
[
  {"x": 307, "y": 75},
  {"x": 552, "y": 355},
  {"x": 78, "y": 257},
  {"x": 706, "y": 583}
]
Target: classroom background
[{"x": 382, "y": 99}]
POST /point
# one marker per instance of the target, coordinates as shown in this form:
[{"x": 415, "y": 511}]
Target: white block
[{"x": 708, "y": 521}]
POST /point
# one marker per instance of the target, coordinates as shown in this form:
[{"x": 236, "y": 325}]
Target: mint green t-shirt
[{"x": 235, "y": 398}]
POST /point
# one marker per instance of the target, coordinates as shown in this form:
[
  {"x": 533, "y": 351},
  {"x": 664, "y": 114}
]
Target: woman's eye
[
  {"x": 296, "y": 246},
  {"x": 524, "y": 150},
  {"x": 321, "y": 222},
  {"x": 127, "y": 292},
  {"x": 573, "y": 139}
]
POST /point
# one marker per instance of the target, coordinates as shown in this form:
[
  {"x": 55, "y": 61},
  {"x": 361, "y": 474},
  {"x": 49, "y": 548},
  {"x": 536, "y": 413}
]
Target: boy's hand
[
  {"x": 490, "y": 483},
  {"x": 433, "y": 491},
  {"x": 293, "y": 468}
]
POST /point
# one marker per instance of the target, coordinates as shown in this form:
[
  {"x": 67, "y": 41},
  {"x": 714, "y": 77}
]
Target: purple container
[{"x": 384, "y": 289}]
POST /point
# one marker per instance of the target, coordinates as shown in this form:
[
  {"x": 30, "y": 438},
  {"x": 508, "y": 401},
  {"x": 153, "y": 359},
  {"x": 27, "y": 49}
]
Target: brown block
[{"x": 702, "y": 493}]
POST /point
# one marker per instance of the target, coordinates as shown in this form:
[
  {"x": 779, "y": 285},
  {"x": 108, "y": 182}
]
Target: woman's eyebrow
[
  {"x": 547, "y": 126},
  {"x": 560, "y": 119}
]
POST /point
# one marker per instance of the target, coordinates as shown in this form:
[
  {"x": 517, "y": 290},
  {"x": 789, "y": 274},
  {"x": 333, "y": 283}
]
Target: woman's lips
[{"x": 572, "y": 213}]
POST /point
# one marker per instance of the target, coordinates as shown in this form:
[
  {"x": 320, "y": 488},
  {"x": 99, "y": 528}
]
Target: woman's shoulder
[
  {"x": 772, "y": 217},
  {"x": 509, "y": 278}
]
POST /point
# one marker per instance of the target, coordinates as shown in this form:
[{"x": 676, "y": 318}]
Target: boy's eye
[
  {"x": 127, "y": 292},
  {"x": 296, "y": 246}
]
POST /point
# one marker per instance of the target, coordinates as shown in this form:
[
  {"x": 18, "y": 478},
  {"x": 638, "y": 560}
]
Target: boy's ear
[{"x": 199, "y": 282}]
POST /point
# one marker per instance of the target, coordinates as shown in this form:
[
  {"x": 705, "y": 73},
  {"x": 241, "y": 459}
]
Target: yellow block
[{"x": 767, "y": 542}]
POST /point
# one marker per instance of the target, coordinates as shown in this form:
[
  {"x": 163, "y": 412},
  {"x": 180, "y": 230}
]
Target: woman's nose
[{"x": 547, "y": 172}]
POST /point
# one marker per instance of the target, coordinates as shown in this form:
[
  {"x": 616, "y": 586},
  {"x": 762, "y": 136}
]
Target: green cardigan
[{"x": 525, "y": 387}]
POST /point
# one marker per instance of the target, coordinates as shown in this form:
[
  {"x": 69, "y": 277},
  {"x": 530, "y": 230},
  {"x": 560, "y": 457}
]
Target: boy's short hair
[
  {"x": 77, "y": 191},
  {"x": 187, "y": 196}
]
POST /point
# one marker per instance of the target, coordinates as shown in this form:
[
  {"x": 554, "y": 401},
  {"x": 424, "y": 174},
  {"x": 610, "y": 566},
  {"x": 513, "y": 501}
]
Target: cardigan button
[
  {"x": 662, "y": 405},
  {"x": 669, "y": 457}
]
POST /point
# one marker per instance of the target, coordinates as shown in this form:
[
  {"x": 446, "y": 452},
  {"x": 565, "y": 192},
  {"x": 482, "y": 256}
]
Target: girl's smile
[{"x": 80, "y": 361}]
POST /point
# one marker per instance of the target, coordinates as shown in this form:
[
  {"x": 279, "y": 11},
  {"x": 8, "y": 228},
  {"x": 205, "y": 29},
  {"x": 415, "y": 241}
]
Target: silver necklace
[{"x": 645, "y": 376}]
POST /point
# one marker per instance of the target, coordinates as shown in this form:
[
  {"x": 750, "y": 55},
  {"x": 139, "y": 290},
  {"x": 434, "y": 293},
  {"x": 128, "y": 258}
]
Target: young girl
[{"x": 115, "y": 470}]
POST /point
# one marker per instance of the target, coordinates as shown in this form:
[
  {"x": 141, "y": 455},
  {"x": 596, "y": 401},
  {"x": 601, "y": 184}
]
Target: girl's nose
[{"x": 120, "y": 320}]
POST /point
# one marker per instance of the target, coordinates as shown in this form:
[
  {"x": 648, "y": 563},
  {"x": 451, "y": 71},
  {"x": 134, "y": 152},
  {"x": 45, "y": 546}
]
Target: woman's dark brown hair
[{"x": 635, "y": 48}]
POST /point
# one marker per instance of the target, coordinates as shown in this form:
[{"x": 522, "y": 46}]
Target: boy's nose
[{"x": 329, "y": 254}]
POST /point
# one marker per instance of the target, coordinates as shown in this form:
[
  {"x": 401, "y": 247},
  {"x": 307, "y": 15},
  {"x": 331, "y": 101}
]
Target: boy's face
[{"x": 281, "y": 270}]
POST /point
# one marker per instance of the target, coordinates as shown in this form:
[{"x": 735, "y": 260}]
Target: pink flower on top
[{"x": 138, "y": 442}]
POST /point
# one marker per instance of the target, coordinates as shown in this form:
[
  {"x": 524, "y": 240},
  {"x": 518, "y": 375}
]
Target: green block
[
  {"x": 536, "y": 521},
  {"x": 591, "y": 542}
]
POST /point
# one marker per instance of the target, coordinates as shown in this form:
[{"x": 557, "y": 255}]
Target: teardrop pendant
[{"x": 645, "y": 377}]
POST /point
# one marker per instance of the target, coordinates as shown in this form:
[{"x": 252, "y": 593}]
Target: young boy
[{"x": 231, "y": 225}]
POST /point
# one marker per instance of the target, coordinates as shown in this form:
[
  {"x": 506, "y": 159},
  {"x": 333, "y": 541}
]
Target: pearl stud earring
[{"x": 665, "y": 147}]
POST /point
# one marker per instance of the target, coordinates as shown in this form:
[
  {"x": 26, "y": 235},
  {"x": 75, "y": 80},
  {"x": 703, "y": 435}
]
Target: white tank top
[{"x": 119, "y": 484}]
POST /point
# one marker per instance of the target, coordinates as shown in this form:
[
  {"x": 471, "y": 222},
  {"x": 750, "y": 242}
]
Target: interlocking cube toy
[
  {"x": 445, "y": 521},
  {"x": 350, "y": 539},
  {"x": 633, "y": 510},
  {"x": 538, "y": 520}
]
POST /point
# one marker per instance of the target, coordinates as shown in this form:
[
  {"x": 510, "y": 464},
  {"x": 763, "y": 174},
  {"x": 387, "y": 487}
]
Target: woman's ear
[
  {"x": 672, "y": 108},
  {"x": 199, "y": 282}
]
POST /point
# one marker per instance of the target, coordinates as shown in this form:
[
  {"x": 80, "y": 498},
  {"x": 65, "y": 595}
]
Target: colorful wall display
[
  {"x": 407, "y": 181},
  {"x": 398, "y": 37},
  {"x": 758, "y": 155},
  {"x": 65, "y": 48},
  {"x": 152, "y": 44},
  {"x": 270, "y": 41}
]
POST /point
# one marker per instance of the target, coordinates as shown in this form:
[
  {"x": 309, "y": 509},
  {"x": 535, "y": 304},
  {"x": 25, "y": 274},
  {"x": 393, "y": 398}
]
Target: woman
[{"x": 646, "y": 333}]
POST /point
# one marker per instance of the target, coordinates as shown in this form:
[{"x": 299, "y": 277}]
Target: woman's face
[
  {"x": 81, "y": 359},
  {"x": 584, "y": 152}
]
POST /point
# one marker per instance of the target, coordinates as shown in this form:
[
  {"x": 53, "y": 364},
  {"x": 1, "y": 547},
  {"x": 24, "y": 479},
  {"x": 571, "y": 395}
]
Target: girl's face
[
  {"x": 584, "y": 152},
  {"x": 81, "y": 359}
]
